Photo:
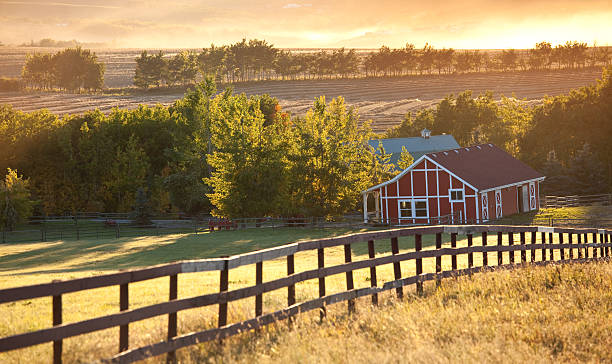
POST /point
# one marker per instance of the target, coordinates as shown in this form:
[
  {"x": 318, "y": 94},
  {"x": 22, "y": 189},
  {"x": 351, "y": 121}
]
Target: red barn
[{"x": 472, "y": 184}]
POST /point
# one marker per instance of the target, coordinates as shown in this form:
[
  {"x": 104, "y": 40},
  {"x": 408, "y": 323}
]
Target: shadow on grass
[{"x": 134, "y": 252}]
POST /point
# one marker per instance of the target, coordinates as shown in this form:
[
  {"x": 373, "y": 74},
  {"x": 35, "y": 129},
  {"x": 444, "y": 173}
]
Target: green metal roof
[{"x": 416, "y": 146}]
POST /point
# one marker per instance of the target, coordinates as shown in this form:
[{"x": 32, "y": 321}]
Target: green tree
[
  {"x": 248, "y": 160},
  {"x": 331, "y": 163},
  {"x": 405, "y": 160},
  {"x": 15, "y": 203}
]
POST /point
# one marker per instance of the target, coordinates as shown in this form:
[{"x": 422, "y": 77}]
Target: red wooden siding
[{"x": 433, "y": 185}]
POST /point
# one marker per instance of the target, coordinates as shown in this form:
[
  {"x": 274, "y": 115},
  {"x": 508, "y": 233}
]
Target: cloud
[
  {"x": 73, "y": 5},
  {"x": 296, "y": 6}
]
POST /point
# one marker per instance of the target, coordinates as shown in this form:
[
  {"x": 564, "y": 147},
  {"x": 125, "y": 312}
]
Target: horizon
[{"x": 314, "y": 24}]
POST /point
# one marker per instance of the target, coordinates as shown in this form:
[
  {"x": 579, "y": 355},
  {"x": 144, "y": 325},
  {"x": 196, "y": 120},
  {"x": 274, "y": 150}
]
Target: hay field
[{"x": 383, "y": 100}]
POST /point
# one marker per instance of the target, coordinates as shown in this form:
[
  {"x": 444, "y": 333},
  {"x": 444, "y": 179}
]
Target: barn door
[
  {"x": 498, "y": 204},
  {"x": 485, "y": 206},
  {"x": 532, "y": 197},
  {"x": 525, "y": 199}
]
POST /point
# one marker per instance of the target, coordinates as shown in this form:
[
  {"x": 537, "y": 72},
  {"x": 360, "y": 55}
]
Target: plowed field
[{"x": 384, "y": 100}]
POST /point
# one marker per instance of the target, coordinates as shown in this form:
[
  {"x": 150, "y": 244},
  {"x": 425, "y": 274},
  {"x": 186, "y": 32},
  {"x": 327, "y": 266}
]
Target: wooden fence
[
  {"x": 570, "y": 201},
  {"x": 574, "y": 250}
]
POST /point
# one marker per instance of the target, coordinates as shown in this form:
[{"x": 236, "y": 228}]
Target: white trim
[
  {"x": 532, "y": 187},
  {"x": 380, "y": 212},
  {"x": 539, "y": 179},
  {"x": 427, "y": 192},
  {"x": 477, "y": 215},
  {"x": 499, "y": 207},
  {"x": 422, "y": 196},
  {"x": 387, "y": 205},
  {"x": 485, "y": 208},
  {"x": 450, "y": 194},
  {"x": 438, "y": 191},
  {"x": 413, "y": 202}
]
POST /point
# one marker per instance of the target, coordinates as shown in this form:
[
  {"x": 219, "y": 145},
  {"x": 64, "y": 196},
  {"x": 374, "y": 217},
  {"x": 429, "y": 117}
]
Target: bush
[{"x": 10, "y": 84}]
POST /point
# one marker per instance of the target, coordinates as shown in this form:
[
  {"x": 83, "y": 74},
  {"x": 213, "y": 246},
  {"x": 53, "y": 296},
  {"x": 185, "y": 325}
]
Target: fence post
[
  {"x": 470, "y": 254},
  {"x": 594, "y": 248},
  {"x": 485, "y": 258},
  {"x": 551, "y": 250},
  {"x": 438, "y": 259},
  {"x": 321, "y": 264},
  {"x": 258, "y": 282},
  {"x": 418, "y": 245},
  {"x": 454, "y": 256},
  {"x": 172, "y": 317},
  {"x": 500, "y": 257},
  {"x": 117, "y": 230},
  {"x": 290, "y": 288},
  {"x": 523, "y": 252},
  {"x": 57, "y": 320},
  {"x": 569, "y": 241},
  {"x": 609, "y": 249},
  {"x": 511, "y": 243},
  {"x": 223, "y": 287},
  {"x": 543, "y": 248},
  {"x": 579, "y": 243},
  {"x": 123, "y": 305},
  {"x": 534, "y": 238},
  {"x": 397, "y": 270},
  {"x": 349, "y": 277},
  {"x": 602, "y": 250},
  {"x": 586, "y": 248},
  {"x": 562, "y": 250},
  {"x": 373, "y": 283}
]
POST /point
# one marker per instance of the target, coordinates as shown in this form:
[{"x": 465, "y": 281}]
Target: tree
[
  {"x": 248, "y": 161},
  {"x": 405, "y": 160},
  {"x": 141, "y": 214},
  {"x": 15, "y": 203},
  {"x": 76, "y": 68},
  {"x": 331, "y": 162},
  {"x": 150, "y": 70}
]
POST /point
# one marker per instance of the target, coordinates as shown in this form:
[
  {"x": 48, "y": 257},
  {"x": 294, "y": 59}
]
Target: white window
[
  {"x": 410, "y": 209},
  {"x": 405, "y": 209},
  {"x": 455, "y": 195}
]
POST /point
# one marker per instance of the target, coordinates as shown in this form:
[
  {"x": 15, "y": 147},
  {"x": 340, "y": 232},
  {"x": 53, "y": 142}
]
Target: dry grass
[
  {"x": 279, "y": 344},
  {"x": 546, "y": 314}
]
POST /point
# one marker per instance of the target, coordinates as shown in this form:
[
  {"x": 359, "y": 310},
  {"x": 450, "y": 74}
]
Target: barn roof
[
  {"x": 416, "y": 146},
  {"x": 485, "y": 166}
]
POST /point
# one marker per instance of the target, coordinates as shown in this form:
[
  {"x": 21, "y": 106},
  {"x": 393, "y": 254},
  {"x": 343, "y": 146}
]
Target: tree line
[
  {"x": 256, "y": 60},
  {"x": 240, "y": 156},
  {"x": 234, "y": 155},
  {"x": 567, "y": 137},
  {"x": 71, "y": 69}
]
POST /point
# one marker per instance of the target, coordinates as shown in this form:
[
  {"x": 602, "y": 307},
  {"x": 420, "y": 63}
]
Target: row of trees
[
  {"x": 235, "y": 155},
  {"x": 242, "y": 156},
  {"x": 71, "y": 69},
  {"x": 567, "y": 137},
  {"x": 258, "y": 60}
]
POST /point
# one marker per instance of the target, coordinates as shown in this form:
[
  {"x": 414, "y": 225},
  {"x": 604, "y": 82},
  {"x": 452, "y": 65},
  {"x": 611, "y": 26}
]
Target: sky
[{"x": 465, "y": 24}]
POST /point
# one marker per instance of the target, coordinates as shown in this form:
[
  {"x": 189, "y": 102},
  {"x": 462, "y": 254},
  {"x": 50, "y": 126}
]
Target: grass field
[{"x": 24, "y": 264}]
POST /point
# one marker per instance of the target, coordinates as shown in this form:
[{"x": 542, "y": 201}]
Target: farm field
[
  {"x": 383, "y": 100},
  {"x": 24, "y": 264}
]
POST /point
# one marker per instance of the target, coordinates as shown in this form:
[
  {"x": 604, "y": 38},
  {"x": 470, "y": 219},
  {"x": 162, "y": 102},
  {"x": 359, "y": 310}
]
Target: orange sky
[{"x": 309, "y": 23}]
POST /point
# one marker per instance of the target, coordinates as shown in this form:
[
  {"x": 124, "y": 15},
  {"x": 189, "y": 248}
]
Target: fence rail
[
  {"x": 576, "y": 200},
  {"x": 585, "y": 250}
]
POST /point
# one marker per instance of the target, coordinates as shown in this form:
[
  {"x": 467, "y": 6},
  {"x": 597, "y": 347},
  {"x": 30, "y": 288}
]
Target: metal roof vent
[{"x": 425, "y": 133}]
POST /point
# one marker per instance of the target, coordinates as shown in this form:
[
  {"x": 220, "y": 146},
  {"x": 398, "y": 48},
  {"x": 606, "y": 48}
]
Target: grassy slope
[
  {"x": 547, "y": 314},
  {"x": 22, "y": 264}
]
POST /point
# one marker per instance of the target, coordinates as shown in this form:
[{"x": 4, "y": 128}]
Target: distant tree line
[
  {"x": 567, "y": 137},
  {"x": 256, "y": 60},
  {"x": 240, "y": 156},
  {"x": 71, "y": 69}
]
